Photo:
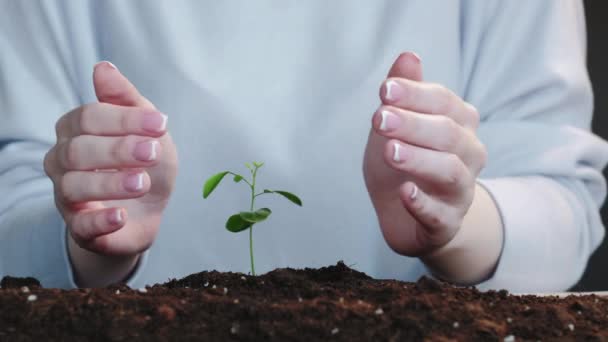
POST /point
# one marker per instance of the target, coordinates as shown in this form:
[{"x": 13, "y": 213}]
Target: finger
[
  {"x": 436, "y": 216},
  {"x": 87, "y": 225},
  {"x": 88, "y": 152},
  {"x": 407, "y": 65},
  {"x": 102, "y": 186},
  {"x": 136, "y": 239},
  {"x": 111, "y": 120},
  {"x": 442, "y": 169},
  {"x": 426, "y": 98},
  {"x": 111, "y": 86},
  {"x": 436, "y": 132}
]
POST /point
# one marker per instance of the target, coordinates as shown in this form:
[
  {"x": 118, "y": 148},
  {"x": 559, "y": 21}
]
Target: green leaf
[
  {"x": 236, "y": 223},
  {"x": 255, "y": 216},
  {"x": 293, "y": 198},
  {"x": 212, "y": 183},
  {"x": 258, "y": 165},
  {"x": 247, "y": 165},
  {"x": 238, "y": 178}
]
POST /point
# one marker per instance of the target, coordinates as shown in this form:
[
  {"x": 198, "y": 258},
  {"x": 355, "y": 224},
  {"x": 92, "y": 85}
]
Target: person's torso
[{"x": 292, "y": 84}]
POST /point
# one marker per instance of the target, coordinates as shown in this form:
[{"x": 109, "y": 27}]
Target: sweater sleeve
[
  {"x": 40, "y": 67},
  {"x": 526, "y": 74}
]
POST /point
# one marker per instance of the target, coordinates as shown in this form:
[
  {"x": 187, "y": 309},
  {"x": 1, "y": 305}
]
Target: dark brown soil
[{"x": 332, "y": 303}]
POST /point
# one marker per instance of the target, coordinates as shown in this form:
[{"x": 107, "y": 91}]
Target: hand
[
  {"x": 421, "y": 160},
  {"x": 113, "y": 168}
]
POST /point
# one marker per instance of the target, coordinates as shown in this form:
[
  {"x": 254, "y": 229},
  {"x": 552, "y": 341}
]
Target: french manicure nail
[
  {"x": 389, "y": 122},
  {"x": 154, "y": 122},
  {"x": 416, "y": 56},
  {"x": 146, "y": 150},
  {"x": 397, "y": 153},
  {"x": 108, "y": 63},
  {"x": 414, "y": 192},
  {"x": 392, "y": 91},
  {"x": 114, "y": 216},
  {"x": 134, "y": 182}
]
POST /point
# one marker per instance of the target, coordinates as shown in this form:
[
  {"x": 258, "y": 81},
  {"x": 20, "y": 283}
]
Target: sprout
[{"x": 247, "y": 219}]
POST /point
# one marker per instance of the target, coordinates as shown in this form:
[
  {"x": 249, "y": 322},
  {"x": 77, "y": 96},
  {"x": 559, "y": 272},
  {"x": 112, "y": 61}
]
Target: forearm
[
  {"x": 471, "y": 256},
  {"x": 94, "y": 270}
]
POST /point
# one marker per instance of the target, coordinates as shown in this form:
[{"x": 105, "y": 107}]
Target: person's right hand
[{"x": 113, "y": 168}]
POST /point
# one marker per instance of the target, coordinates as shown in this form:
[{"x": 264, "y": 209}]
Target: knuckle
[
  {"x": 58, "y": 125},
  {"x": 70, "y": 154},
  {"x": 66, "y": 191},
  {"x": 454, "y": 174},
  {"x": 124, "y": 122},
  {"x": 474, "y": 114},
  {"x": 451, "y": 134},
  {"x": 445, "y": 99},
  {"x": 85, "y": 119},
  {"x": 108, "y": 184},
  {"x": 117, "y": 148},
  {"x": 49, "y": 162}
]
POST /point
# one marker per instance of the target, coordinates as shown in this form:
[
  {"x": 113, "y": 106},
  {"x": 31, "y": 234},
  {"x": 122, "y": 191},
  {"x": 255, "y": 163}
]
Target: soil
[{"x": 331, "y": 303}]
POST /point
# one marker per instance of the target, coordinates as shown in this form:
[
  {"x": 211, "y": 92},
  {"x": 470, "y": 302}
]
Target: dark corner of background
[{"x": 596, "y": 275}]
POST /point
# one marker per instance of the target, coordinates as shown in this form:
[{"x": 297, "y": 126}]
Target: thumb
[
  {"x": 111, "y": 86},
  {"x": 407, "y": 66}
]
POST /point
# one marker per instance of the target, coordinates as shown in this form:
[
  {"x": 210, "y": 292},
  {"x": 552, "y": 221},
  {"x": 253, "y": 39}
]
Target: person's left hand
[{"x": 421, "y": 160}]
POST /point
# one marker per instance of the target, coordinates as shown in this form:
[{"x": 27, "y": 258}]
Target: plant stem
[
  {"x": 251, "y": 228},
  {"x": 251, "y": 250}
]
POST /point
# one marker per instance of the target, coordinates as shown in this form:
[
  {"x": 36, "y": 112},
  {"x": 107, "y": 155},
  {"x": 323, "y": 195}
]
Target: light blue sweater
[{"x": 294, "y": 84}]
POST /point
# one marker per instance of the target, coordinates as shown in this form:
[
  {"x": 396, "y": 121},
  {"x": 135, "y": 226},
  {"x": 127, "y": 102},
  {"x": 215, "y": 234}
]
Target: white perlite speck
[
  {"x": 335, "y": 331},
  {"x": 243, "y": 278},
  {"x": 214, "y": 287},
  {"x": 25, "y": 289},
  {"x": 117, "y": 292},
  {"x": 32, "y": 298},
  {"x": 143, "y": 290},
  {"x": 379, "y": 311},
  {"x": 206, "y": 284},
  {"x": 456, "y": 325},
  {"x": 300, "y": 299},
  {"x": 509, "y": 338},
  {"x": 225, "y": 290},
  {"x": 579, "y": 313},
  {"x": 234, "y": 329},
  {"x": 341, "y": 299},
  {"x": 236, "y": 301},
  {"x": 571, "y": 327},
  {"x": 526, "y": 308},
  {"x": 509, "y": 320}
]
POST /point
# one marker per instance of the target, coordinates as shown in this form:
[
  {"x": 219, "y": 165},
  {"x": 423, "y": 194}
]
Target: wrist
[
  {"x": 473, "y": 253},
  {"x": 96, "y": 270}
]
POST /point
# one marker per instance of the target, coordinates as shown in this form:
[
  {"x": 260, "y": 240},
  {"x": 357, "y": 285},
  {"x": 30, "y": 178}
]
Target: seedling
[{"x": 247, "y": 219}]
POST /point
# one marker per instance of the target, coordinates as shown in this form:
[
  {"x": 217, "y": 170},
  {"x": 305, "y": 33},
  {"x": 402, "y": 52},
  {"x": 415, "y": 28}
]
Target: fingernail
[
  {"x": 414, "y": 192},
  {"x": 392, "y": 91},
  {"x": 416, "y": 56},
  {"x": 154, "y": 122},
  {"x": 389, "y": 122},
  {"x": 134, "y": 182},
  {"x": 397, "y": 153},
  {"x": 108, "y": 63},
  {"x": 146, "y": 150},
  {"x": 114, "y": 216}
]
